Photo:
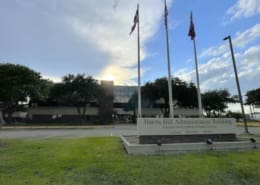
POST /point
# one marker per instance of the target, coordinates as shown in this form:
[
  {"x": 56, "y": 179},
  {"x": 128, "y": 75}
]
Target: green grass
[
  {"x": 248, "y": 136},
  {"x": 249, "y": 124},
  {"x": 103, "y": 161}
]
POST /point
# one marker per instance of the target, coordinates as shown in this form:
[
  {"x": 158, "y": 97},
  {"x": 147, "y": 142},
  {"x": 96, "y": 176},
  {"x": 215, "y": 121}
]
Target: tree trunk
[
  {"x": 82, "y": 114},
  {"x": 2, "y": 122},
  {"x": 165, "y": 110},
  {"x": 214, "y": 113},
  {"x": 208, "y": 113},
  {"x": 9, "y": 117},
  {"x": 134, "y": 120}
]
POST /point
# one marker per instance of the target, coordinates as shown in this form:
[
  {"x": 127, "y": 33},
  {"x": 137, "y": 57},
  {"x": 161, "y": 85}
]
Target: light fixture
[
  {"x": 209, "y": 141},
  {"x": 159, "y": 143},
  {"x": 252, "y": 140},
  {"x": 226, "y": 38}
]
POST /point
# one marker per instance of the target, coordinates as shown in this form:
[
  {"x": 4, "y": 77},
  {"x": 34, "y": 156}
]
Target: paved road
[
  {"x": 89, "y": 132},
  {"x": 68, "y": 133}
]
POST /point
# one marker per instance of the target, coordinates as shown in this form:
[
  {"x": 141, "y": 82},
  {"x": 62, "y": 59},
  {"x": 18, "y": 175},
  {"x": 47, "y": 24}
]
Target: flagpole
[
  {"x": 192, "y": 35},
  {"x": 198, "y": 80},
  {"x": 138, "y": 56},
  {"x": 169, "y": 64}
]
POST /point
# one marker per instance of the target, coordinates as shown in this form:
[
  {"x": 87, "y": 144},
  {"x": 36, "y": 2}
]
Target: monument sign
[{"x": 172, "y": 130}]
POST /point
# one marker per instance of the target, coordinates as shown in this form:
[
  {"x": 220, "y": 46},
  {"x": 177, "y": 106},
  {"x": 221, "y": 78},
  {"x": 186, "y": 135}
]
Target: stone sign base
[
  {"x": 132, "y": 146},
  {"x": 181, "y": 135},
  {"x": 166, "y": 139}
]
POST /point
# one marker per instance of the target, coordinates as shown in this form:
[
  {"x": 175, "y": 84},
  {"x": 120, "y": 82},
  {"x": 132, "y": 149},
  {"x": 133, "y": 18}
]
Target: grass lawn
[
  {"x": 249, "y": 124},
  {"x": 103, "y": 161}
]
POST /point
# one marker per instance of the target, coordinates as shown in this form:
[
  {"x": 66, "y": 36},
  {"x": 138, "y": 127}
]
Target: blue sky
[{"x": 57, "y": 37}]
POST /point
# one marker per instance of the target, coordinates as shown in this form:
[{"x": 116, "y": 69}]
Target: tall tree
[
  {"x": 44, "y": 87},
  {"x": 184, "y": 94},
  {"x": 76, "y": 90},
  {"x": 253, "y": 96},
  {"x": 17, "y": 84},
  {"x": 215, "y": 101}
]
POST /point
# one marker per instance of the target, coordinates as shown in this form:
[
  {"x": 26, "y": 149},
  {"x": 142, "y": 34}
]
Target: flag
[
  {"x": 192, "y": 33},
  {"x": 165, "y": 14},
  {"x": 136, "y": 20}
]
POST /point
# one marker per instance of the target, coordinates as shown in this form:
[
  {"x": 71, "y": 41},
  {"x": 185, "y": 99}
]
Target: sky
[{"x": 58, "y": 37}]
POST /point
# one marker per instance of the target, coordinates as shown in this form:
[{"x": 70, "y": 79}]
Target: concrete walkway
[{"x": 80, "y": 131}]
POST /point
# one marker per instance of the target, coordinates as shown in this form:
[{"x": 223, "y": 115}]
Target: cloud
[
  {"x": 107, "y": 30},
  {"x": 95, "y": 33},
  {"x": 214, "y": 51},
  {"x": 218, "y": 72},
  {"x": 185, "y": 74},
  {"x": 213, "y": 74},
  {"x": 244, "y": 38},
  {"x": 243, "y": 9},
  {"x": 249, "y": 60},
  {"x": 55, "y": 79},
  {"x": 241, "y": 40}
]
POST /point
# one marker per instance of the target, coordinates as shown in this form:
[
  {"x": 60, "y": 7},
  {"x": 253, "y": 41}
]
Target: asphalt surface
[
  {"x": 116, "y": 130},
  {"x": 67, "y": 132}
]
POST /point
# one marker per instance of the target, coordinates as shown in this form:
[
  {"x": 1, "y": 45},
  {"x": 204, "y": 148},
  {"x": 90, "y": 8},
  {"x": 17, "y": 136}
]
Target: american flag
[{"x": 136, "y": 20}]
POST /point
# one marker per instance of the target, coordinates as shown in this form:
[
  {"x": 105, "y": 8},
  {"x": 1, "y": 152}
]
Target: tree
[
  {"x": 253, "y": 96},
  {"x": 45, "y": 87},
  {"x": 76, "y": 90},
  {"x": 17, "y": 84},
  {"x": 184, "y": 94},
  {"x": 235, "y": 115},
  {"x": 215, "y": 101}
]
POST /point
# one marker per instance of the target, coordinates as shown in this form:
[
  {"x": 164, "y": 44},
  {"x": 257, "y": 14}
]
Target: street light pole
[{"x": 237, "y": 81}]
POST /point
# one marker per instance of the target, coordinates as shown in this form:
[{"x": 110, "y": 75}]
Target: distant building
[
  {"x": 122, "y": 94},
  {"x": 252, "y": 111},
  {"x": 255, "y": 112},
  {"x": 113, "y": 105},
  {"x": 106, "y": 106}
]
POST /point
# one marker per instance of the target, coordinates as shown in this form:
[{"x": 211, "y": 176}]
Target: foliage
[
  {"x": 76, "y": 90},
  {"x": 215, "y": 101},
  {"x": 235, "y": 115},
  {"x": 234, "y": 99},
  {"x": 45, "y": 87},
  {"x": 18, "y": 83},
  {"x": 183, "y": 93},
  {"x": 253, "y": 96},
  {"x": 103, "y": 161}
]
